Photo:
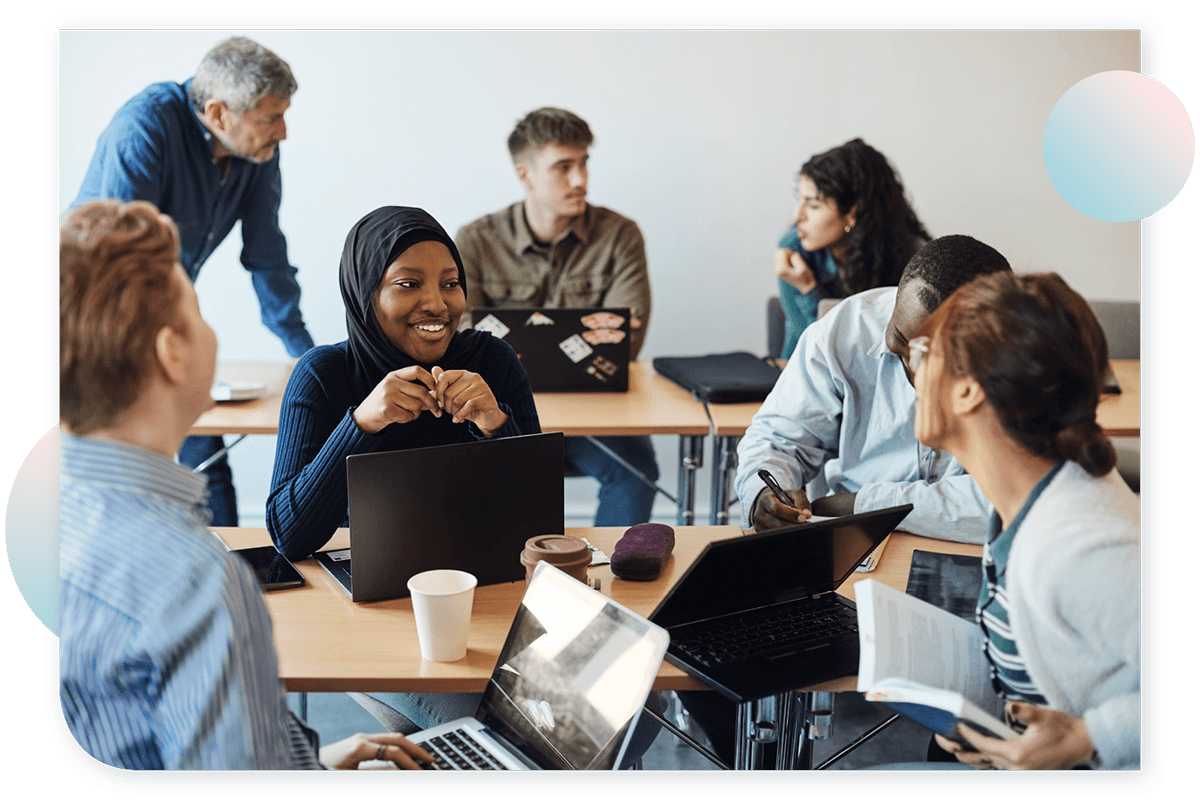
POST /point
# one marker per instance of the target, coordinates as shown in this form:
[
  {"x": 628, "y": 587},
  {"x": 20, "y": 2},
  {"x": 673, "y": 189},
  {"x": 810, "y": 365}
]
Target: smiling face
[
  {"x": 419, "y": 301},
  {"x": 254, "y": 134},
  {"x": 555, "y": 179},
  {"x": 818, "y": 221}
]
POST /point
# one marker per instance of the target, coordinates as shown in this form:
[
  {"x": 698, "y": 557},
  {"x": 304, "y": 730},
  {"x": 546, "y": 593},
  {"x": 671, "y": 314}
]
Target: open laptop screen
[
  {"x": 573, "y": 675},
  {"x": 764, "y": 569}
]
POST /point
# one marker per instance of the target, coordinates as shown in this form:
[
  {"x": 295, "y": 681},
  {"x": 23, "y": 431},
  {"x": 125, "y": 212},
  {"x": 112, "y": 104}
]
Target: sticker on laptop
[
  {"x": 575, "y": 348},
  {"x": 603, "y": 336},
  {"x": 538, "y": 318},
  {"x": 604, "y": 365},
  {"x": 493, "y": 326},
  {"x": 602, "y": 319}
]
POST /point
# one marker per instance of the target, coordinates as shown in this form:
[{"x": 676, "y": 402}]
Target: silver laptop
[
  {"x": 468, "y": 506},
  {"x": 567, "y": 690}
]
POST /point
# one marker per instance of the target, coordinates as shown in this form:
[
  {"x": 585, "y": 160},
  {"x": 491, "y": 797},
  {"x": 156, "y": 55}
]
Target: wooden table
[
  {"x": 1121, "y": 414},
  {"x": 326, "y": 643},
  {"x": 244, "y": 417},
  {"x": 653, "y": 405},
  {"x": 1118, "y": 414}
]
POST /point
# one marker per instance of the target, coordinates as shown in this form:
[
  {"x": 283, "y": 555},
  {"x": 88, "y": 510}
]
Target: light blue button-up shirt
[
  {"x": 166, "y": 656},
  {"x": 840, "y": 419},
  {"x": 156, "y": 149}
]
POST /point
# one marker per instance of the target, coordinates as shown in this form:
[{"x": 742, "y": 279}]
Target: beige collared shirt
[{"x": 598, "y": 261}]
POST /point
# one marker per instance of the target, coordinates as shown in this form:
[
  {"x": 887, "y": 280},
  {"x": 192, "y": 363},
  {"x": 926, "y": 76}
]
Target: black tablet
[{"x": 272, "y": 570}]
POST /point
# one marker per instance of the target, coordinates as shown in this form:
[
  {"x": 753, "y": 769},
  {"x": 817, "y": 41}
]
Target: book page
[{"x": 903, "y": 637}]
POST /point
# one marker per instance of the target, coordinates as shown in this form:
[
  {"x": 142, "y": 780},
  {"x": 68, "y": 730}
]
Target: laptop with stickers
[{"x": 565, "y": 349}]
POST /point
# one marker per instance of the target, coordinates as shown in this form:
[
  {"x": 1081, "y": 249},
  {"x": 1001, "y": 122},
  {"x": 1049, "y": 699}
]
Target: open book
[{"x": 925, "y": 663}]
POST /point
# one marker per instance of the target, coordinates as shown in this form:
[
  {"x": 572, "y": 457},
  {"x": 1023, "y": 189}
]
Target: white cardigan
[{"x": 1074, "y": 587}]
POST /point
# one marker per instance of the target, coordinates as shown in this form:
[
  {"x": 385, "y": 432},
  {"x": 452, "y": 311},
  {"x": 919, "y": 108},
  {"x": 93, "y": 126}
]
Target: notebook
[
  {"x": 565, "y": 349},
  {"x": 758, "y": 615},
  {"x": 467, "y": 506},
  {"x": 567, "y": 689}
]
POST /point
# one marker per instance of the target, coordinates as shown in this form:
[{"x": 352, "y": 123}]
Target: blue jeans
[
  {"x": 624, "y": 499},
  {"x": 222, "y": 500},
  {"x": 434, "y": 708}
]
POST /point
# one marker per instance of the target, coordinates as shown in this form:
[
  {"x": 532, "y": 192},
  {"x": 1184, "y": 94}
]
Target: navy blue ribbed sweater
[{"x": 308, "y": 499}]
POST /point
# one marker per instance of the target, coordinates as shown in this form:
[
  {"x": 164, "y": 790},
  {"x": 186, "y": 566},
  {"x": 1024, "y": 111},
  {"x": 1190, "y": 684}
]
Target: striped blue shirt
[
  {"x": 166, "y": 651},
  {"x": 1009, "y": 674}
]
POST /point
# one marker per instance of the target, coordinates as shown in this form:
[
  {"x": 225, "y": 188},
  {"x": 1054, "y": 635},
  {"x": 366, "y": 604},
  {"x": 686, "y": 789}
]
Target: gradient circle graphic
[
  {"x": 1118, "y": 146},
  {"x": 31, "y": 530}
]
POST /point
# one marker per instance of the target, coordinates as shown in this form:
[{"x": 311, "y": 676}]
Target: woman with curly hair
[{"x": 854, "y": 230}]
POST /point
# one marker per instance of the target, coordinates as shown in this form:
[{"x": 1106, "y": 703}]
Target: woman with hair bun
[
  {"x": 854, "y": 230},
  {"x": 1009, "y": 372}
]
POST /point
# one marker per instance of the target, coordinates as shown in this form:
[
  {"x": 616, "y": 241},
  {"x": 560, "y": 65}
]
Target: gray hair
[{"x": 240, "y": 73}]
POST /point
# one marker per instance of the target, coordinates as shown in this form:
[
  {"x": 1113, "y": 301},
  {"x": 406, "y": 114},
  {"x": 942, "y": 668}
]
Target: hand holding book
[{"x": 1051, "y": 740}]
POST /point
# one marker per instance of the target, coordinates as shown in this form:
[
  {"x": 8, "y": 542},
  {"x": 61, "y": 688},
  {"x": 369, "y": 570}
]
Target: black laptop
[
  {"x": 565, "y": 349},
  {"x": 467, "y": 506},
  {"x": 758, "y": 615}
]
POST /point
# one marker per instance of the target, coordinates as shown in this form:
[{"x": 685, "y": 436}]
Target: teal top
[
  {"x": 1009, "y": 674},
  {"x": 800, "y": 309}
]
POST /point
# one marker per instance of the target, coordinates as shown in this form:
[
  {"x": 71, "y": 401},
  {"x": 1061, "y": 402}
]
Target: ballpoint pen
[{"x": 775, "y": 488}]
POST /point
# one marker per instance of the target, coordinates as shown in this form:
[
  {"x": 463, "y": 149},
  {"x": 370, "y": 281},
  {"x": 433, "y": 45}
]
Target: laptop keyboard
[
  {"x": 765, "y": 632},
  {"x": 458, "y": 750}
]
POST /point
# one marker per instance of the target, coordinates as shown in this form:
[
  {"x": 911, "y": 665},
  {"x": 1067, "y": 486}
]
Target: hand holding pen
[{"x": 775, "y": 508}]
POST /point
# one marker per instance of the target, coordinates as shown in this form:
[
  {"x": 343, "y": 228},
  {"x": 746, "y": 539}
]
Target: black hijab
[{"x": 373, "y": 243}]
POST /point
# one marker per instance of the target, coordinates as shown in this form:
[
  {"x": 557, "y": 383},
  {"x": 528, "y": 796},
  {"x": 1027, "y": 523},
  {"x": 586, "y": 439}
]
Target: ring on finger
[{"x": 380, "y": 752}]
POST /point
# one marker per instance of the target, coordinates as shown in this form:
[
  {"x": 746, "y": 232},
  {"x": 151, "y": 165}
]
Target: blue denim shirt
[{"x": 156, "y": 149}]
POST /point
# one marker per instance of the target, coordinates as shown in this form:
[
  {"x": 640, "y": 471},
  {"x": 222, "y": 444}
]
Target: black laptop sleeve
[{"x": 738, "y": 377}]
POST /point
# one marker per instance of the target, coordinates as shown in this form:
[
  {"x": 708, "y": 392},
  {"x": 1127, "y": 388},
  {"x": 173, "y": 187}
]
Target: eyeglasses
[{"x": 918, "y": 349}]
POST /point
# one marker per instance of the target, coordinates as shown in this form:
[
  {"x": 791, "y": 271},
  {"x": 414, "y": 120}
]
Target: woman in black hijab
[{"x": 404, "y": 377}]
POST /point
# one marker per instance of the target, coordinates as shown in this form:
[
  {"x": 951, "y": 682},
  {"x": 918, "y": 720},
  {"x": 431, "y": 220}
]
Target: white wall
[{"x": 698, "y": 138}]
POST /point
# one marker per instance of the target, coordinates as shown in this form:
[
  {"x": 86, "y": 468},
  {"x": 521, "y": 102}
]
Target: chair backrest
[
  {"x": 775, "y": 323},
  {"x": 1122, "y": 324},
  {"x": 825, "y": 304},
  {"x": 774, "y": 327}
]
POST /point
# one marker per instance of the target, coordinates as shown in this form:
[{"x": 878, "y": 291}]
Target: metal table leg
[
  {"x": 778, "y": 732},
  {"x": 206, "y": 463},
  {"x": 691, "y": 458},
  {"x": 687, "y": 474},
  {"x": 756, "y": 737},
  {"x": 724, "y": 464},
  {"x": 810, "y": 718}
]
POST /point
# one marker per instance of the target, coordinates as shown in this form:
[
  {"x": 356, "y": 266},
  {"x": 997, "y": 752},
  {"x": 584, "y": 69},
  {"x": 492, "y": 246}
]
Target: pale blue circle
[
  {"x": 31, "y": 530},
  {"x": 1118, "y": 146}
]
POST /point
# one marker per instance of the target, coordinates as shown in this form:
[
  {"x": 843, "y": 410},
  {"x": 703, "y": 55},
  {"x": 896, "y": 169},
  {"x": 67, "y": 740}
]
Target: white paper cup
[{"x": 441, "y": 601}]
